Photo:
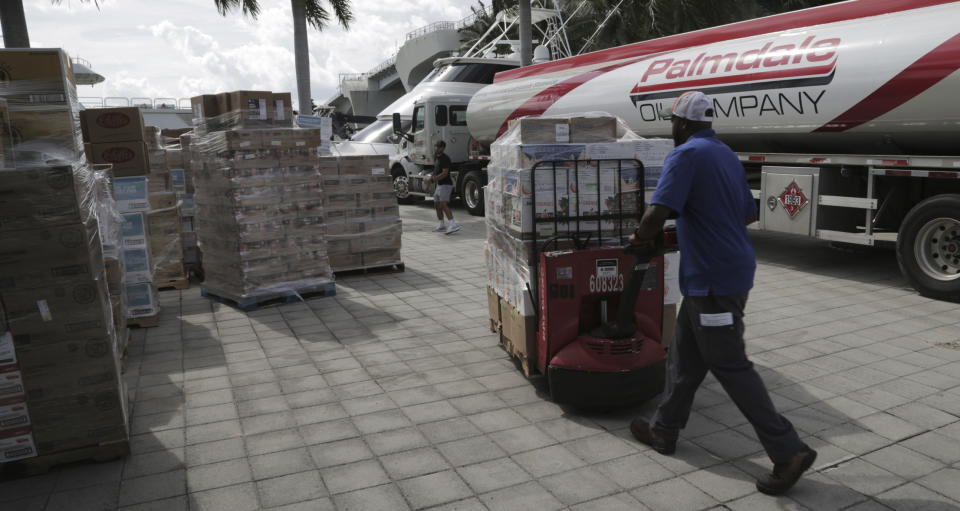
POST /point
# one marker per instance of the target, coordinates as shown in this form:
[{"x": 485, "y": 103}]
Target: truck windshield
[
  {"x": 379, "y": 131},
  {"x": 466, "y": 72}
]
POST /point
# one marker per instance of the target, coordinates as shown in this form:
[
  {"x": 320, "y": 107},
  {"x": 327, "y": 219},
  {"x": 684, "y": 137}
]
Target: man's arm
[{"x": 651, "y": 223}]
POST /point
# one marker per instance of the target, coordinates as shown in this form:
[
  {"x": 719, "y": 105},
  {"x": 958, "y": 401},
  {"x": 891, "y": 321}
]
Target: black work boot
[
  {"x": 786, "y": 474},
  {"x": 642, "y": 432}
]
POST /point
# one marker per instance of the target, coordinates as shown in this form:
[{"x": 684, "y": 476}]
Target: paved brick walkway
[{"x": 394, "y": 395}]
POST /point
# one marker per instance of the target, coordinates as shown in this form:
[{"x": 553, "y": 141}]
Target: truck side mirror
[{"x": 397, "y": 128}]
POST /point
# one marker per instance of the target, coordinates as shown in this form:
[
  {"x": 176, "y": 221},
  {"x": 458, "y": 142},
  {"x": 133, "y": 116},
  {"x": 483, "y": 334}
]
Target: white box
[
  {"x": 131, "y": 194},
  {"x": 8, "y": 353},
  {"x": 133, "y": 230},
  {"x": 178, "y": 181},
  {"x": 136, "y": 265},
  {"x": 17, "y": 448},
  {"x": 140, "y": 300},
  {"x": 11, "y": 385},
  {"x": 13, "y": 416}
]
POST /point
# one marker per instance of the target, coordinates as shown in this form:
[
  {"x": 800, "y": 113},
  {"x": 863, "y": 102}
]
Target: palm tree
[{"x": 304, "y": 11}]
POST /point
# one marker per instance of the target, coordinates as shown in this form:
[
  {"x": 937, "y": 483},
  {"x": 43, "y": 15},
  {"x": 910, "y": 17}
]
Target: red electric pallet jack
[{"x": 590, "y": 359}]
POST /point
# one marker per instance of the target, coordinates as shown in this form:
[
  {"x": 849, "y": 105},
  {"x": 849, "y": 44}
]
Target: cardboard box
[
  {"x": 127, "y": 158},
  {"x": 588, "y": 130},
  {"x": 536, "y": 130},
  {"x": 54, "y": 126},
  {"x": 38, "y": 257},
  {"x": 204, "y": 106},
  {"x": 14, "y": 415},
  {"x": 521, "y": 331},
  {"x": 39, "y": 197},
  {"x": 140, "y": 300},
  {"x": 133, "y": 230},
  {"x": 114, "y": 275},
  {"x": 252, "y": 108},
  {"x": 36, "y": 64},
  {"x": 137, "y": 265},
  {"x": 12, "y": 389},
  {"x": 165, "y": 200},
  {"x": 131, "y": 194},
  {"x": 57, "y": 311},
  {"x": 123, "y": 124},
  {"x": 281, "y": 109},
  {"x": 18, "y": 446}
]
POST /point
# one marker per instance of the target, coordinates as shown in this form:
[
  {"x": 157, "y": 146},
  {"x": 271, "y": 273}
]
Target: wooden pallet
[
  {"x": 368, "y": 270},
  {"x": 178, "y": 284},
  {"x": 144, "y": 322},
  {"x": 42, "y": 464},
  {"x": 518, "y": 356},
  {"x": 252, "y": 303}
]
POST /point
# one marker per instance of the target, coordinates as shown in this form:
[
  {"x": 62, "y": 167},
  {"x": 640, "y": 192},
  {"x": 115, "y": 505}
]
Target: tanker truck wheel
[
  {"x": 401, "y": 186},
  {"x": 928, "y": 247},
  {"x": 473, "y": 194}
]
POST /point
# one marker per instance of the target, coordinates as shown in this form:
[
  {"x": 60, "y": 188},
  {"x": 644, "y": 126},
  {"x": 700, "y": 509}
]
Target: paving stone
[
  {"x": 214, "y": 413},
  {"x": 213, "y": 431},
  {"x": 936, "y": 446},
  {"x": 81, "y": 475},
  {"x": 912, "y": 496},
  {"x": 215, "y": 475},
  {"x": 450, "y": 429},
  {"x": 212, "y": 452},
  {"x": 579, "y": 485},
  {"x": 493, "y": 475},
  {"x": 396, "y": 440},
  {"x": 470, "y": 450},
  {"x": 340, "y": 452},
  {"x": 904, "y": 462},
  {"x": 281, "y": 463},
  {"x": 434, "y": 489},
  {"x": 596, "y": 448},
  {"x": 288, "y": 489},
  {"x": 618, "y": 502},
  {"x": 318, "y": 413},
  {"x": 274, "y": 441},
  {"x": 673, "y": 494},
  {"x": 524, "y": 438},
  {"x": 380, "y": 421},
  {"x": 268, "y": 422},
  {"x": 943, "y": 482},
  {"x": 370, "y": 404},
  {"x": 329, "y": 431},
  {"x": 102, "y": 496},
  {"x": 430, "y": 412},
  {"x": 816, "y": 491},
  {"x": 384, "y": 497},
  {"x": 241, "y": 497},
  {"x": 548, "y": 460},
  {"x": 179, "y": 503},
  {"x": 529, "y": 495},
  {"x": 864, "y": 477},
  {"x": 152, "y": 487},
  {"x": 413, "y": 463},
  {"x": 497, "y": 420},
  {"x": 722, "y": 482},
  {"x": 634, "y": 471},
  {"x": 158, "y": 441},
  {"x": 153, "y": 463},
  {"x": 354, "y": 476}
]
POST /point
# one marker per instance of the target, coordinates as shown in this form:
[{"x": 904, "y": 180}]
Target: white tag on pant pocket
[{"x": 722, "y": 319}]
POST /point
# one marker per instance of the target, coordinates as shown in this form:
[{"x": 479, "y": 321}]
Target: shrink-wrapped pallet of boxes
[
  {"x": 363, "y": 218},
  {"x": 552, "y": 181},
  {"x": 62, "y": 396},
  {"x": 192, "y": 257},
  {"x": 259, "y": 214},
  {"x": 118, "y": 137}
]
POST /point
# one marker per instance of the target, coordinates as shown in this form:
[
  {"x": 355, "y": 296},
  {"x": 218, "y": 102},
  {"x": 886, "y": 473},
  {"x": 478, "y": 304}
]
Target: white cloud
[{"x": 181, "y": 48}]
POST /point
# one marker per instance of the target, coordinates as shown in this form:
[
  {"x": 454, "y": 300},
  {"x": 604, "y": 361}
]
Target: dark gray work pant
[{"x": 719, "y": 349}]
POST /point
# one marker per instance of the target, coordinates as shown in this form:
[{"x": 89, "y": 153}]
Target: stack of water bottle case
[{"x": 61, "y": 394}]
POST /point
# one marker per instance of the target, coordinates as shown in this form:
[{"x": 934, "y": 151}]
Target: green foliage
[
  {"x": 639, "y": 20},
  {"x": 317, "y": 15}
]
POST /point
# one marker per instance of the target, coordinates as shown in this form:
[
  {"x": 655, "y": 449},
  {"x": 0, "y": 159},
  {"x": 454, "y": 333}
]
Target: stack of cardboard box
[
  {"x": 241, "y": 109},
  {"x": 116, "y": 136},
  {"x": 260, "y": 218},
  {"x": 61, "y": 394},
  {"x": 182, "y": 184},
  {"x": 362, "y": 216},
  {"x": 558, "y": 178}
]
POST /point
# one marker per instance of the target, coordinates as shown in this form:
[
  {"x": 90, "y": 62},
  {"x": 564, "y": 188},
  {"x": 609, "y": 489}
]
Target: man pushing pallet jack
[{"x": 703, "y": 186}]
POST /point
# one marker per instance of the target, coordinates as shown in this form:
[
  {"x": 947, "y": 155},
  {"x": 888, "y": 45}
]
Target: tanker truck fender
[{"x": 928, "y": 247}]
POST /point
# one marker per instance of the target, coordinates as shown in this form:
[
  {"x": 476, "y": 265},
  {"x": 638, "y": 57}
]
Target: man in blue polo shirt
[{"x": 704, "y": 186}]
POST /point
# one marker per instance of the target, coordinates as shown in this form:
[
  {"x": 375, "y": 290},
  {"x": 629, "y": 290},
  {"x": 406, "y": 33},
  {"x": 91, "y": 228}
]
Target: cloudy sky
[{"x": 181, "y": 48}]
